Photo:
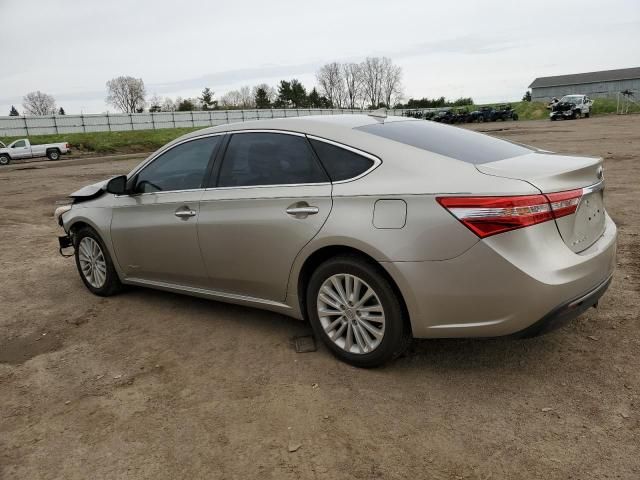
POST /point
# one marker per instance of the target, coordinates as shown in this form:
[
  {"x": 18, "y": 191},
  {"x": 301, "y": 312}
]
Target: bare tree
[
  {"x": 247, "y": 99},
  {"x": 231, "y": 99},
  {"x": 372, "y": 78},
  {"x": 352, "y": 75},
  {"x": 167, "y": 105},
  {"x": 391, "y": 82},
  {"x": 126, "y": 93},
  {"x": 331, "y": 83},
  {"x": 38, "y": 103}
]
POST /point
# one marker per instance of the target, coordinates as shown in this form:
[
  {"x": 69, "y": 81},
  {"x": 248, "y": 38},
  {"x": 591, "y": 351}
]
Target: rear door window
[
  {"x": 340, "y": 163},
  {"x": 255, "y": 159},
  {"x": 453, "y": 142}
]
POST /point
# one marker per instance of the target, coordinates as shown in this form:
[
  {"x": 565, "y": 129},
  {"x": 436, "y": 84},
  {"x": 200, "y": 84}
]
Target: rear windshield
[{"x": 453, "y": 142}]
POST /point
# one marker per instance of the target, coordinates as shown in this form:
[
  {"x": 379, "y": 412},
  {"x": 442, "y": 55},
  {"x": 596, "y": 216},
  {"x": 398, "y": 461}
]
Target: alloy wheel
[
  {"x": 351, "y": 313},
  {"x": 92, "y": 262}
]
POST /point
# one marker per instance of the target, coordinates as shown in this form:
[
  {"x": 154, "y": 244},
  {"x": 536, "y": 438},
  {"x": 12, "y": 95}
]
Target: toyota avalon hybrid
[{"x": 376, "y": 229}]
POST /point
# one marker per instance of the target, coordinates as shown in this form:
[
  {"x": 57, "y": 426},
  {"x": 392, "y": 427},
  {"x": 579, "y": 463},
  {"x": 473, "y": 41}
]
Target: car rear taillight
[
  {"x": 486, "y": 216},
  {"x": 564, "y": 203}
]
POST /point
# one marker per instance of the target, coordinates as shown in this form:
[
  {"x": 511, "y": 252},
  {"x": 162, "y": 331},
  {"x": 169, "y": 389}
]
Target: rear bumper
[
  {"x": 566, "y": 312},
  {"x": 506, "y": 284}
]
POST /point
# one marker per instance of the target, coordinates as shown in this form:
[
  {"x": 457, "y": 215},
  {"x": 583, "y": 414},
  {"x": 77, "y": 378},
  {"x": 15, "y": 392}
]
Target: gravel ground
[{"x": 155, "y": 385}]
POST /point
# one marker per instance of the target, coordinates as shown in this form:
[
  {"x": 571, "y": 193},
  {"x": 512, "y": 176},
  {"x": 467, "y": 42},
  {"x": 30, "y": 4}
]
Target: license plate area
[{"x": 580, "y": 230}]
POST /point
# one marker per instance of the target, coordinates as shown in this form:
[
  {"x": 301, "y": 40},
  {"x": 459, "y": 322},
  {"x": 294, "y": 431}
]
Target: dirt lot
[{"x": 154, "y": 385}]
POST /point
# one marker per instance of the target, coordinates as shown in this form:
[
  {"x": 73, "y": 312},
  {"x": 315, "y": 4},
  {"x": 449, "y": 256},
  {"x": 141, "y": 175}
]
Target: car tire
[
  {"x": 94, "y": 263},
  {"x": 588, "y": 114},
  {"x": 515, "y": 117},
  {"x": 5, "y": 160},
  {"x": 344, "y": 325},
  {"x": 53, "y": 154},
  {"x": 577, "y": 115}
]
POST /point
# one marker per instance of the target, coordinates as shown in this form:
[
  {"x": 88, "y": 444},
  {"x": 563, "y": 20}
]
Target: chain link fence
[{"x": 57, "y": 124}]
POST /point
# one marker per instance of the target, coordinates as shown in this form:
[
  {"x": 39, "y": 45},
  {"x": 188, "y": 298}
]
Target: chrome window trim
[
  {"x": 376, "y": 161},
  {"x": 161, "y": 192},
  {"x": 267, "y": 130}
]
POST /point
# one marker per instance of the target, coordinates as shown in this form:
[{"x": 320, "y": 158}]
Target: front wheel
[
  {"x": 588, "y": 114},
  {"x": 354, "y": 309},
  {"x": 5, "y": 159},
  {"x": 94, "y": 263},
  {"x": 53, "y": 155}
]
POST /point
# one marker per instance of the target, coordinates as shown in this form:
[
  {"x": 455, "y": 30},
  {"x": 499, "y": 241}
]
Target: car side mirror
[{"x": 117, "y": 185}]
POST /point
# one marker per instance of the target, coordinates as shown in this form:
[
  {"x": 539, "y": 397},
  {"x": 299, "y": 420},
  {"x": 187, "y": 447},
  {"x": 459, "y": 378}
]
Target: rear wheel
[
  {"x": 53, "y": 154},
  {"x": 94, "y": 263},
  {"x": 577, "y": 114},
  {"x": 356, "y": 312},
  {"x": 5, "y": 159}
]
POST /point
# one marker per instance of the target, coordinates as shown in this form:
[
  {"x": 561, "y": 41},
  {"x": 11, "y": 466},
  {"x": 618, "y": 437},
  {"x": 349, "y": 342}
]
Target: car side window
[
  {"x": 181, "y": 168},
  {"x": 19, "y": 144},
  {"x": 254, "y": 159},
  {"x": 340, "y": 163}
]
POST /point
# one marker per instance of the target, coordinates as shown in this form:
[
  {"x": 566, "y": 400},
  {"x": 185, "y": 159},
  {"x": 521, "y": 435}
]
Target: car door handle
[
  {"x": 185, "y": 213},
  {"x": 302, "y": 210}
]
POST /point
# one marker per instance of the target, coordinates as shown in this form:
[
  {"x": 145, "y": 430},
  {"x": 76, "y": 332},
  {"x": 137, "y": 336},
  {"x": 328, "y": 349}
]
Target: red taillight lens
[
  {"x": 564, "y": 203},
  {"x": 486, "y": 216}
]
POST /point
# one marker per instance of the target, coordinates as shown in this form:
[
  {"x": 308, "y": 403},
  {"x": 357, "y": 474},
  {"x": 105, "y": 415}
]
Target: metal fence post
[
  {"x": 153, "y": 122},
  {"x": 226, "y": 114},
  {"x": 55, "y": 124},
  {"x": 84, "y": 129},
  {"x": 131, "y": 120},
  {"x": 26, "y": 127},
  {"x": 173, "y": 118},
  {"x": 108, "y": 122},
  {"x": 193, "y": 123},
  {"x": 210, "y": 118}
]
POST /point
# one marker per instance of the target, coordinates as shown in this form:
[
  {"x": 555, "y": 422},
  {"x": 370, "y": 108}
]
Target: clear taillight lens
[{"x": 486, "y": 216}]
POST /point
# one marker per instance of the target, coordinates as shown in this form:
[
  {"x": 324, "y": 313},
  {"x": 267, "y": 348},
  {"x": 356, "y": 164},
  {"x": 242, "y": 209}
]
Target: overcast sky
[{"x": 489, "y": 50}]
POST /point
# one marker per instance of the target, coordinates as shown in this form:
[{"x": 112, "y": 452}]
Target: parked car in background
[
  {"x": 20, "y": 149},
  {"x": 505, "y": 112},
  {"x": 484, "y": 114},
  {"x": 571, "y": 107},
  {"x": 376, "y": 229}
]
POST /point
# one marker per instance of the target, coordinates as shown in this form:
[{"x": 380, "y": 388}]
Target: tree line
[{"x": 373, "y": 83}]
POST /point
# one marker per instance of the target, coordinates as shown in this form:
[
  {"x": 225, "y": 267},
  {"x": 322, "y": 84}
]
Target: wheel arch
[{"x": 320, "y": 255}]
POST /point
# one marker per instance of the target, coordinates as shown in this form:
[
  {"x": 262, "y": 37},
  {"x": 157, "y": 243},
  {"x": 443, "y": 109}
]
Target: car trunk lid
[{"x": 552, "y": 173}]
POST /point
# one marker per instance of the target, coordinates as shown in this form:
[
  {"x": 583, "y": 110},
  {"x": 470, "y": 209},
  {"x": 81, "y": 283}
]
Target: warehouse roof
[{"x": 589, "y": 77}]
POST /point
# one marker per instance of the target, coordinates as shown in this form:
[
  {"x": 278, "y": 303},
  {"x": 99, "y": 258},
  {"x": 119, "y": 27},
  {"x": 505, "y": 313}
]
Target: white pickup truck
[{"x": 22, "y": 148}]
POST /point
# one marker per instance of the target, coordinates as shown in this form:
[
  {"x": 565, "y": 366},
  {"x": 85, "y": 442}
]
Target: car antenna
[{"x": 379, "y": 113}]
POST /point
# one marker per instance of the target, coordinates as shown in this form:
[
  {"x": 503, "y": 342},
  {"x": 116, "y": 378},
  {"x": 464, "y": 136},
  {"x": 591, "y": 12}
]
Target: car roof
[{"x": 333, "y": 127}]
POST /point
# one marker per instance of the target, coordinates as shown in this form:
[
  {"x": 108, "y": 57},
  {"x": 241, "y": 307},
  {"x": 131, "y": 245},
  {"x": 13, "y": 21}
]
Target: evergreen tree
[
  {"x": 61, "y": 111},
  {"x": 186, "y": 105},
  {"x": 262, "y": 98},
  {"x": 314, "y": 99},
  {"x": 527, "y": 96},
  {"x": 298, "y": 94},
  {"x": 284, "y": 94},
  {"x": 14, "y": 112},
  {"x": 208, "y": 103}
]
